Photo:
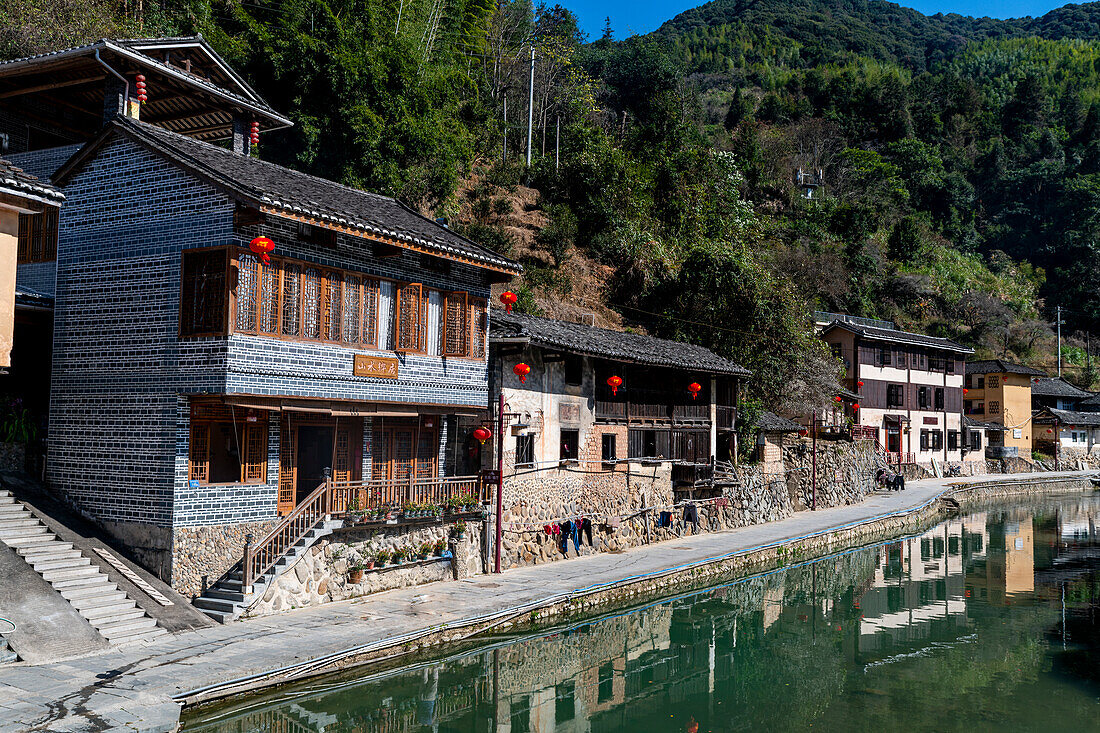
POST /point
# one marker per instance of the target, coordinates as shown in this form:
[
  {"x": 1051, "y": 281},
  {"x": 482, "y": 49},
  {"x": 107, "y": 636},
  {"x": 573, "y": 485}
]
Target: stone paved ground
[{"x": 132, "y": 689}]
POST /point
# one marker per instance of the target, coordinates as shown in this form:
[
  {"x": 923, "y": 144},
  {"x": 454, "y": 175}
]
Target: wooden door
[
  {"x": 426, "y": 455},
  {"x": 402, "y": 445},
  {"x": 347, "y": 452},
  {"x": 288, "y": 467}
]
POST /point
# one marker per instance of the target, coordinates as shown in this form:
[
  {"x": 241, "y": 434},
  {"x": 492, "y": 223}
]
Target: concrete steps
[
  {"x": 107, "y": 608},
  {"x": 226, "y": 599}
]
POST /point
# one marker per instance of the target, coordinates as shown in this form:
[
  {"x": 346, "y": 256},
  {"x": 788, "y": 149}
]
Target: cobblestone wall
[
  {"x": 201, "y": 555},
  {"x": 321, "y": 575},
  {"x": 845, "y": 471}
]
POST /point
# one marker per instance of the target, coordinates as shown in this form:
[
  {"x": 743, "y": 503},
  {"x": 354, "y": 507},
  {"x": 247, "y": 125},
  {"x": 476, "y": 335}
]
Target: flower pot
[
  {"x": 355, "y": 576},
  {"x": 370, "y": 565}
]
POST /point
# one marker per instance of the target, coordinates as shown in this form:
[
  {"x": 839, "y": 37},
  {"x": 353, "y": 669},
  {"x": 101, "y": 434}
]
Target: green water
[{"x": 985, "y": 622}]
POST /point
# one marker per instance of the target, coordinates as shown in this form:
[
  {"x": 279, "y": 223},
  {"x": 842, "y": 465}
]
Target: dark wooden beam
[
  {"x": 183, "y": 116},
  {"x": 51, "y": 85},
  {"x": 384, "y": 251}
]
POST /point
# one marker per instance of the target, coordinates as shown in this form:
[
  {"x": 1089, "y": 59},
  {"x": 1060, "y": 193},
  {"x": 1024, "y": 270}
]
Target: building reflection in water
[{"x": 774, "y": 651}]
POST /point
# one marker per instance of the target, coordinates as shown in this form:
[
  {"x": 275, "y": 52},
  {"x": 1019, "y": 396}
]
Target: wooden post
[
  {"x": 813, "y": 463},
  {"x": 500, "y": 464},
  {"x": 246, "y": 565}
]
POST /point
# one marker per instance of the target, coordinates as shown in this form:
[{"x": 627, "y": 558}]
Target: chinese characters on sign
[{"x": 375, "y": 366}]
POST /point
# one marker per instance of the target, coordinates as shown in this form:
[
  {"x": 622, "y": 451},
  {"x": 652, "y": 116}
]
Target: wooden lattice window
[
  {"x": 370, "y": 311},
  {"x": 410, "y": 320},
  {"x": 351, "y": 309},
  {"x": 202, "y": 292},
  {"x": 292, "y": 299},
  {"x": 199, "y": 463},
  {"x": 37, "y": 237},
  {"x": 479, "y": 336},
  {"x": 311, "y": 288},
  {"x": 269, "y": 298},
  {"x": 456, "y": 325},
  {"x": 333, "y": 305},
  {"x": 254, "y": 453},
  {"x": 228, "y": 445},
  {"x": 248, "y": 272}
]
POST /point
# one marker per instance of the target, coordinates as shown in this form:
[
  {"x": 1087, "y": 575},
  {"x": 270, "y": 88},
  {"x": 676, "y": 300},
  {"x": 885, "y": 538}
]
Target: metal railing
[
  {"x": 262, "y": 556},
  {"x": 366, "y": 495}
]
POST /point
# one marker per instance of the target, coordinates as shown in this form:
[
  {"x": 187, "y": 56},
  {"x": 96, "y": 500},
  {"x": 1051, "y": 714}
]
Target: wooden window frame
[
  {"x": 226, "y": 284},
  {"x": 368, "y": 304},
  {"x": 457, "y": 340},
  {"x": 421, "y": 346},
  {"x": 200, "y": 425},
  {"x": 44, "y": 227}
]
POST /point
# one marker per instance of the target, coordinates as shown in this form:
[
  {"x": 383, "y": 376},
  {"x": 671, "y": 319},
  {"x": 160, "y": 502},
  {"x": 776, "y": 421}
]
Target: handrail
[
  {"x": 373, "y": 494},
  {"x": 260, "y": 557}
]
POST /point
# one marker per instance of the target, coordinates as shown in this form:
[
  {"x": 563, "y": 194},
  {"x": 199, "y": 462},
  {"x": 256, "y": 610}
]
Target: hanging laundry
[
  {"x": 586, "y": 527},
  {"x": 665, "y": 519},
  {"x": 691, "y": 516}
]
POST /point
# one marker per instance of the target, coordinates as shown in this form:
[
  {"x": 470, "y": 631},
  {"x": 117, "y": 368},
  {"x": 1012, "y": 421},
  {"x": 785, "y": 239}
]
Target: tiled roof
[
  {"x": 900, "y": 337},
  {"x": 17, "y": 182},
  {"x": 1056, "y": 387},
  {"x": 578, "y": 338},
  {"x": 1069, "y": 417},
  {"x": 970, "y": 422},
  {"x": 769, "y": 422},
  {"x": 1000, "y": 366},
  {"x": 296, "y": 193},
  {"x": 128, "y": 48},
  {"x": 1092, "y": 404}
]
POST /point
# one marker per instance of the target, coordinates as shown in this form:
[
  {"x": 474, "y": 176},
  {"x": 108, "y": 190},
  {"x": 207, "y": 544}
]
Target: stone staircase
[
  {"x": 226, "y": 600},
  {"x": 106, "y": 607}
]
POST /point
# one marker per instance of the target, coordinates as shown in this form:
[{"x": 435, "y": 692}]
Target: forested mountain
[{"x": 959, "y": 158}]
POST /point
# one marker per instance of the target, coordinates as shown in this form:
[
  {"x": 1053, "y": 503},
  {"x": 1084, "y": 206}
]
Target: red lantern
[
  {"x": 860, "y": 384},
  {"x": 614, "y": 383},
  {"x": 965, "y": 390},
  {"x": 694, "y": 388},
  {"x": 509, "y": 299},
  {"x": 522, "y": 370},
  {"x": 262, "y": 246},
  {"x": 254, "y": 133},
  {"x": 482, "y": 434},
  {"x": 855, "y": 407},
  {"x": 838, "y": 398},
  {"x": 140, "y": 86}
]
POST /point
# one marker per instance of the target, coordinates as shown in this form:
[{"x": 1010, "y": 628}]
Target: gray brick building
[{"x": 199, "y": 392}]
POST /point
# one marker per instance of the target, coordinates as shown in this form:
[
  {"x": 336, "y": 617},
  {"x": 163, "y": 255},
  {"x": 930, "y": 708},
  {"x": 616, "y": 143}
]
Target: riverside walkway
[{"x": 136, "y": 688}]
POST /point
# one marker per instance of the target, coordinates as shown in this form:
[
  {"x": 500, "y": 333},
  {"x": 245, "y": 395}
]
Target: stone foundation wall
[
  {"x": 201, "y": 555},
  {"x": 321, "y": 575},
  {"x": 845, "y": 471}
]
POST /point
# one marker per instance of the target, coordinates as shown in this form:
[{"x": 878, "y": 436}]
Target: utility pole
[
  {"x": 531, "y": 105},
  {"x": 1059, "y": 324},
  {"x": 500, "y": 480},
  {"x": 400, "y": 10},
  {"x": 504, "y": 154},
  {"x": 557, "y": 142}
]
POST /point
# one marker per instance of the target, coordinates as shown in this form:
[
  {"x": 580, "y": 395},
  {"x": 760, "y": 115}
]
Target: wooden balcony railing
[
  {"x": 608, "y": 410},
  {"x": 333, "y": 499},
  {"x": 375, "y": 494},
  {"x": 694, "y": 412}
]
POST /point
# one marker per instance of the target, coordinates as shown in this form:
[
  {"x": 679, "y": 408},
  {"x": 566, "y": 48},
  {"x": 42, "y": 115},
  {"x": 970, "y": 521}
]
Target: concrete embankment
[{"x": 143, "y": 688}]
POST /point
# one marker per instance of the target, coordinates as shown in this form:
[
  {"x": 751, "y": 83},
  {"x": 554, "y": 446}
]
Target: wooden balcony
[
  {"x": 377, "y": 494},
  {"x": 653, "y": 412},
  {"x": 727, "y": 417}
]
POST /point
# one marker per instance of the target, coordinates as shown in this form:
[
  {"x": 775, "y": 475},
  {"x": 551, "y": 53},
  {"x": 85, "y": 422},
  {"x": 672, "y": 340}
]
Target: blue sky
[{"x": 643, "y": 16}]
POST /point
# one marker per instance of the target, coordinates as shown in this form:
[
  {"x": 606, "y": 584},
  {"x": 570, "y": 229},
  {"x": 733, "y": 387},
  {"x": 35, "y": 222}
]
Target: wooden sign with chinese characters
[{"x": 375, "y": 366}]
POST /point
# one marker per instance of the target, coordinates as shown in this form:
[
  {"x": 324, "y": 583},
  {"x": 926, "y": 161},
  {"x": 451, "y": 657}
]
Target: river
[{"x": 987, "y": 621}]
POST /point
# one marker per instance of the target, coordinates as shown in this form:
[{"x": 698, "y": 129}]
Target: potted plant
[
  {"x": 458, "y": 530},
  {"x": 382, "y": 557},
  {"x": 425, "y": 550},
  {"x": 353, "y": 514},
  {"x": 438, "y": 547},
  {"x": 399, "y": 555},
  {"x": 355, "y": 572}
]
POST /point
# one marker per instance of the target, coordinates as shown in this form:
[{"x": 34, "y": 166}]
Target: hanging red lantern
[
  {"x": 482, "y": 434},
  {"x": 614, "y": 383},
  {"x": 509, "y": 299},
  {"x": 965, "y": 390},
  {"x": 838, "y": 398},
  {"x": 860, "y": 384},
  {"x": 262, "y": 246},
  {"x": 855, "y": 407},
  {"x": 522, "y": 370},
  {"x": 140, "y": 85},
  {"x": 1049, "y": 430},
  {"x": 694, "y": 388},
  {"x": 254, "y": 133}
]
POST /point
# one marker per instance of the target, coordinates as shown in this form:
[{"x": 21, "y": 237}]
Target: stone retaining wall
[
  {"x": 322, "y": 574},
  {"x": 201, "y": 555}
]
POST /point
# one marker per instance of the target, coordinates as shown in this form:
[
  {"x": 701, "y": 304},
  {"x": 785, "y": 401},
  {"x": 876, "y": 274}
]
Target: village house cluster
[{"x": 234, "y": 359}]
